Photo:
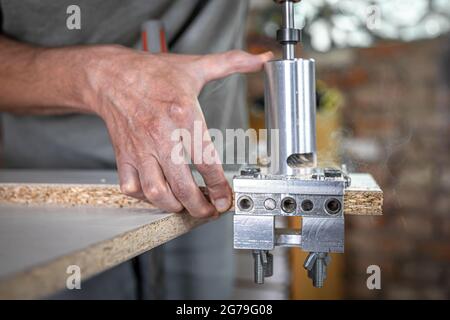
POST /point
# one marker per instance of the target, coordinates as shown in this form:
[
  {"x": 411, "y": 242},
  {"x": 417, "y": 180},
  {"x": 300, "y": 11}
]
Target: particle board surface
[
  {"x": 364, "y": 196},
  {"x": 52, "y": 219},
  {"x": 37, "y": 243},
  {"x": 100, "y": 188}
]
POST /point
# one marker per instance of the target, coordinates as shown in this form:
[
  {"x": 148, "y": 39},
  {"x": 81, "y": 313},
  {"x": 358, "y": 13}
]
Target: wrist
[
  {"x": 72, "y": 74},
  {"x": 99, "y": 71}
]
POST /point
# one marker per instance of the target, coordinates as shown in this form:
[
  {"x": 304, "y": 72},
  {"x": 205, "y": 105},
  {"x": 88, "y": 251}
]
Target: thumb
[{"x": 221, "y": 65}]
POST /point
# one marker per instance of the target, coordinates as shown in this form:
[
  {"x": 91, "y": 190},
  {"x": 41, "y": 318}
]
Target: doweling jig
[{"x": 292, "y": 185}]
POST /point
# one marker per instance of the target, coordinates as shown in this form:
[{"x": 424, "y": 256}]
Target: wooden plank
[
  {"x": 46, "y": 227},
  {"x": 37, "y": 244},
  {"x": 52, "y": 219},
  {"x": 364, "y": 197}
]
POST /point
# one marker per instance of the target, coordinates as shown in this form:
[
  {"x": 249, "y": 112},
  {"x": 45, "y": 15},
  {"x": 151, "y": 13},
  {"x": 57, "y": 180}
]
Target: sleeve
[{"x": 1, "y": 19}]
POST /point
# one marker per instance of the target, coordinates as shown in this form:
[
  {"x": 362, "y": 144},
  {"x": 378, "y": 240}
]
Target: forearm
[
  {"x": 41, "y": 80},
  {"x": 143, "y": 99}
]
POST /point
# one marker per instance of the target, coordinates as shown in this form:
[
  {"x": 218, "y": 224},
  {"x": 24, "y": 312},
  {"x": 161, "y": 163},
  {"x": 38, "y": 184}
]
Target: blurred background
[{"x": 383, "y": 78}]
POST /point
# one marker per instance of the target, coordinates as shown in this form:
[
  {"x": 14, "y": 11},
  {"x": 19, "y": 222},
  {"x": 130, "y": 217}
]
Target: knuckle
[
  {"x": 181, "y": 112},
  {"x": 220, "y": 189},
  {"x": 203, "y": 212},
  {"x": 235, "y": 56},
  {"x": 213, "y": 175},
  {"x": 176, "y": 207},
  {"x": 171, "y": 205},
  {"x": 177, "y": 111},
  {"x": 130, "y": 188},
  {"x": 155, "y": 193},
  {"x": 183, "y": 193},
  {"x": 217, "y": 184},
  {"x": 209, "y": 170}
]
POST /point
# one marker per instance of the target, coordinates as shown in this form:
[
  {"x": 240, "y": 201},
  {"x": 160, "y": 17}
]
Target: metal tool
[{"x": 292, "y": 185}]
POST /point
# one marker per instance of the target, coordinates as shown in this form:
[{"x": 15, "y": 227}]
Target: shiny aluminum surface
[{"x": 290, "y": 99}]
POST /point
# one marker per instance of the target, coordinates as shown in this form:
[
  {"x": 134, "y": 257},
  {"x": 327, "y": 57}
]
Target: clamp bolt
[
  {"x": 250, "y": 171},
  {"x": 263, "y": 265},
  {"x": 316, "y": 264}
]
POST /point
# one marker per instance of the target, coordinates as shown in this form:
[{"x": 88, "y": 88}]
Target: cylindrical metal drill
[{"x": 290, "y": 103}]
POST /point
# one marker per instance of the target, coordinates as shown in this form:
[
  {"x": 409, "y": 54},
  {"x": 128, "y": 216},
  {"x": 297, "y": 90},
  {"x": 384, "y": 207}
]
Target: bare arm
[
  {"x": 143, "y": 98},
  {"x": 38, "y": 80}
]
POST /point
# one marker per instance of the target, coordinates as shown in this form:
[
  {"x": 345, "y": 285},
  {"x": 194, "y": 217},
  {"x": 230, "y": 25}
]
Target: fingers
[
  {"x": 218, "y": 188},
  {"x": 188, "y": 193},
  {"x": 210, "y": 167},
  {"x": 155, "y": 188},
  {"x": 185, "y": 189},
  {"x": 216, "y": 66}
]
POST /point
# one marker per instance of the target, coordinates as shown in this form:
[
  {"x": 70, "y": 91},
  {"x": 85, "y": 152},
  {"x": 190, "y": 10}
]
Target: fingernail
[{"x": 222, "y": 205}]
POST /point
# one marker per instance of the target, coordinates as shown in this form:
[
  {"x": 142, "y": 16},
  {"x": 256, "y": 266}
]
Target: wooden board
[
  {"x": 37, "y": 244},
  {"x": 40, "y": 238},
  {"x": 52, "y": 219},
  {"x": 364, "y": 197}
]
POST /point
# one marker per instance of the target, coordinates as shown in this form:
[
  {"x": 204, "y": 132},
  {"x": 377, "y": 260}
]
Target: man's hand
[{"x": 142, "y": 98}]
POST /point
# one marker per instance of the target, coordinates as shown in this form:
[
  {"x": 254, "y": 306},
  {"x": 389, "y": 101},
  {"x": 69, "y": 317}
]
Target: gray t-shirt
[{"x": 81, "y": 141}]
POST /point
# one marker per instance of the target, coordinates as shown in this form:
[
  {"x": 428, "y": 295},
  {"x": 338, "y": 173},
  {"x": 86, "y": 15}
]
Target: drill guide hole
[
  {"x": 288, "y": 205},
  {"x": 307, "y": 205},
  {"x": 333, "y": 206},
  {"x": 245, "y": 203}
]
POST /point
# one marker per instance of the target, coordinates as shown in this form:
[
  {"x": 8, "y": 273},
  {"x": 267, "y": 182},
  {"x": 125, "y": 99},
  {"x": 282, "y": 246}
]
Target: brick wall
[{"x": 397, "y": 127}]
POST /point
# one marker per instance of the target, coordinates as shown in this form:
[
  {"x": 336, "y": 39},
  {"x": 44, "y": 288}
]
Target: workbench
[{"x": 50, "y": 220}]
